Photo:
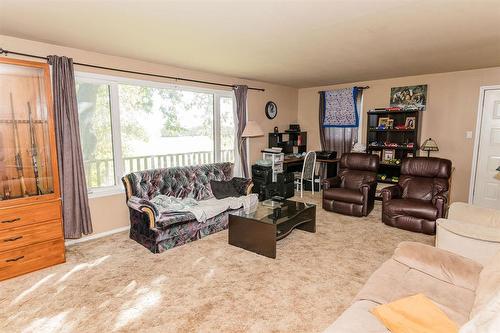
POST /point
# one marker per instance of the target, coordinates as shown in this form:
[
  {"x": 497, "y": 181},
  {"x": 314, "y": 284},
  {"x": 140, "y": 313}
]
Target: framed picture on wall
[
  {"x": 409, "y": 97},
  {"x": 388, "y": 154}
]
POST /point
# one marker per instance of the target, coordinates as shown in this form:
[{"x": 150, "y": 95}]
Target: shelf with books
[
  {"x": 392, "y": 147},
  {"x": 393, "y": 135},
  {"x": 392, "y": 129}
]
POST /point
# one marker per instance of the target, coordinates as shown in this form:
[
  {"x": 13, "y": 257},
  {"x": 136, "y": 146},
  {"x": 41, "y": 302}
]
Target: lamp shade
[
  {"x": 252, "y": 129},
  {"x": 429, "y": 145}
]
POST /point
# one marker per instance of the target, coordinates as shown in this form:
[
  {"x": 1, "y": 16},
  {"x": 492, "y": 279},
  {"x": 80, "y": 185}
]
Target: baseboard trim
[{"x": 96, "y": 236}]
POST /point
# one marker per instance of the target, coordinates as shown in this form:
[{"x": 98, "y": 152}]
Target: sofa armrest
[
  {"x": 331, "y": 182},
  {"x": 473, "y": 214},
  {"x": 440, "y": 264},
  {"x": 242, "y": 185},
  {"x": 391, "y": 192},
  {"x": 145, "y": 207}
]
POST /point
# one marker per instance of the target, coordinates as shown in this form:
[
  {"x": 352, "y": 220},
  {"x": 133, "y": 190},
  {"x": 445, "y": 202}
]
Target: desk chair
[{"x": 307, "y": 173}]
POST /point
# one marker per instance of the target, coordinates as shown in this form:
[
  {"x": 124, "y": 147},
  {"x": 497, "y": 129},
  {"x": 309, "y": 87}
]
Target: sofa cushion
[
  {"x": 412, "y": 207},
  {"x": 344, "y": 195},
  {"x": 488, "y": 285},
  {"x": 168, "y": 219},
  {"x": 356, "y": 319},
  {"x": 487, "y": 320}
]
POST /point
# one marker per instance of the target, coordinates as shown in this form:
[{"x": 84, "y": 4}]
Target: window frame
[{"x": 113, "y": 82}]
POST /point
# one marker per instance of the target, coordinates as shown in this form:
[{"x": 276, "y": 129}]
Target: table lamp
[{"x": 429, "y": 145}]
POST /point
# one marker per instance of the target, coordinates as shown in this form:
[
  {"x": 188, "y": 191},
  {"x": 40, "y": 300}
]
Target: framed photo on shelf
[
  {"x": 409, "y": 155},
  {"x": 410, "y": 122},
  {"x": 390, "y": 123},
  {"x": 388, "y": 154},
  {"x": 378, "y": 153},
  {"x": 382, "y": 121}
]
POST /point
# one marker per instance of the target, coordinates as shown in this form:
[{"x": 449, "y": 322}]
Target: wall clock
[{"x": 271, "y": 110}]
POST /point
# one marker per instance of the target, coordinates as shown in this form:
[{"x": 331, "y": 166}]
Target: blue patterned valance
[{"x": 339, "y": 108}]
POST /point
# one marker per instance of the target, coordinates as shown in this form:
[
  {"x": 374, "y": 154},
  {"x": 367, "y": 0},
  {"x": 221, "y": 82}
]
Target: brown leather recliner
[
  {"x": 421, "y": 196},
  {"x": 352, "y": 191}
]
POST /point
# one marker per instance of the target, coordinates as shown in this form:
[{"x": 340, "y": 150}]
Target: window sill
[{"x": 105, "y": 192}]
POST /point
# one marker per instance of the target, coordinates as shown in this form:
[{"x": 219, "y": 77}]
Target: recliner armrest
[
  {"x": 391, "y": 192},
  {"x": 443, "y": 196},
  {"x": 368, "y": 186},
  {"x": 440, "y": 201},
  {"x": 440, "y": 264},
  {"x": 331, "y": 182}
]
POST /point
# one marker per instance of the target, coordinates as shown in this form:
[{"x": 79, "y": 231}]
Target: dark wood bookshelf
[
  {"x": 400, "y": 136},
  {"x": 289, "y": 141}
]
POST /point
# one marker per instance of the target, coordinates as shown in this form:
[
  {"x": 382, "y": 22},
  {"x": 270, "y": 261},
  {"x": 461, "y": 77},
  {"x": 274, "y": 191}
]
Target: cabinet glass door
[{"x": 25, "y": 143}]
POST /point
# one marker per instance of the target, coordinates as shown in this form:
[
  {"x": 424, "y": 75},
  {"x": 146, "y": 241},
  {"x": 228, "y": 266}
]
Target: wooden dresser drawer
[
  {"x": 29, "y": 214},
  {"x": 31, "y": 258},
  {"x": 30, "y": 234}
]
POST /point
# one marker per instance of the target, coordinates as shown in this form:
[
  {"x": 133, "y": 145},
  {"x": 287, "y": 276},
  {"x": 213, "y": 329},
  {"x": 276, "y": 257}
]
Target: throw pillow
[
  {"x": 223, "y": 189},
  {"x": 417, "y": 314}
]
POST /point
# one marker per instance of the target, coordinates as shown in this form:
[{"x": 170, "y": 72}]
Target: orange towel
[{"x": 414, "y": 314}]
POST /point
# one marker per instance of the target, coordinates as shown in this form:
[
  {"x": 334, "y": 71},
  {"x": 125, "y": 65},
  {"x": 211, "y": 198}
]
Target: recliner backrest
[
  {"x": 424, "y": 177},
  {"x": 357, "y": 168}
]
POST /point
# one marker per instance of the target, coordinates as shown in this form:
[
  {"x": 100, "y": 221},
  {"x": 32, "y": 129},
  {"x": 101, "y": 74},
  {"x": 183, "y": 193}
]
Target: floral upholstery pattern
[
  {"x": 168, "y": 230},
  {"x": 159, "y": 240},
  {"x": 179, "y": 182}
]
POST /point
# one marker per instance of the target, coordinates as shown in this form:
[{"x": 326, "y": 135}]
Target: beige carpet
[{"x": 114, "y": 284}]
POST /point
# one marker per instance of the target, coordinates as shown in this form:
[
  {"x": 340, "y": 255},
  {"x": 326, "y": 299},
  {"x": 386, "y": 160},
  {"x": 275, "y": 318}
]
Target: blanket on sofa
[{"x": 203, "y": 209}]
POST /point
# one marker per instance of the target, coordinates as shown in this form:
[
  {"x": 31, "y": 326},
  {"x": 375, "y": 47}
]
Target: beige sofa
[
  {"x": 471, "y": 231},
  {"x": 461, "y": 287}
]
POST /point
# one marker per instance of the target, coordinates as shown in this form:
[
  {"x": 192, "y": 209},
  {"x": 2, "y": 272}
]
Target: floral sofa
[{"x": 161, "y": 231}]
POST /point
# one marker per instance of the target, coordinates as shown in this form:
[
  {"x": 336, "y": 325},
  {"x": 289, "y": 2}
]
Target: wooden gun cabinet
[{"x": 31, "y": 235}]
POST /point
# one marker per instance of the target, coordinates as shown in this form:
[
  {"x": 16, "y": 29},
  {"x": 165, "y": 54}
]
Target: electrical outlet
[{"x": 468, "y": 135}]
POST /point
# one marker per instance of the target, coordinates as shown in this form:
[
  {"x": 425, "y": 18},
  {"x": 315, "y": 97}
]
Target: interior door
[{"x": 487, "y": 180}]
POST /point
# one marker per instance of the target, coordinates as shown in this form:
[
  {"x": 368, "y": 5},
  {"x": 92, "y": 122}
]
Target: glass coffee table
[{"x": 259, "y": 229}]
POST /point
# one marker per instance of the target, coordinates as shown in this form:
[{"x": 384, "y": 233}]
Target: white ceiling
[{"x": 296, "y": 43}]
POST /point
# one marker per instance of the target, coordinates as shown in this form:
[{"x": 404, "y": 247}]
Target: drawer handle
[
  {"x": 14, "y": 259},
  {"x": 11, "y": 221},
  {"x": 12, "y": 239}
]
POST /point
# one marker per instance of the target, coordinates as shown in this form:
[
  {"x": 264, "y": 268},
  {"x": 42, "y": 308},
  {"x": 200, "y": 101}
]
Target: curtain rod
[
  {"x": 7, "y": 52},
  {"x": 360, "y": 88}
]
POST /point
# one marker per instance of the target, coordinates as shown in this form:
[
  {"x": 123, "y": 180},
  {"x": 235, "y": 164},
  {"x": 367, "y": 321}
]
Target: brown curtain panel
[
  {"x": 76, "y": 213},
  {"x": 241, "y": 111},
  {"x": 339, "y": 139}
]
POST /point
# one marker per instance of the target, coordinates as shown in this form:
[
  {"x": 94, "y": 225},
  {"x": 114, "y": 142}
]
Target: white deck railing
[{"x": 101, "y": 172}]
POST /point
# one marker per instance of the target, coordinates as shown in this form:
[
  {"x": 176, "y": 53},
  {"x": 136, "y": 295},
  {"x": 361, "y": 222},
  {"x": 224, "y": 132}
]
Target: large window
[{"x": 130, "y": 125}]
